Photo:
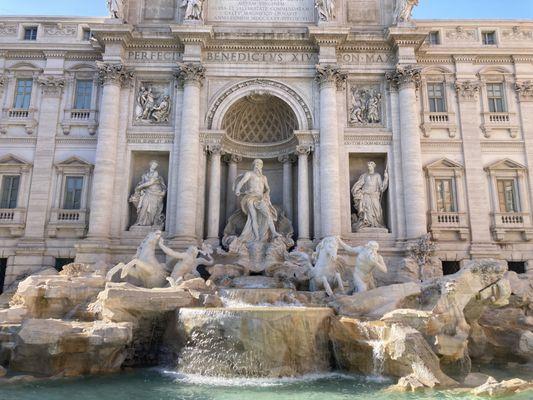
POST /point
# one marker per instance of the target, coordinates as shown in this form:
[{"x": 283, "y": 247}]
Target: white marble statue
[
  {"x": 193, "y": 9},
  {"x": 326, "y": 272},
  {"x": 367, "y": 260},
  {"x": 186, "y": 264},
  {"x": 256, "y": 205},
  {"x": 365, "y": 106},
  {"x": 161, "y": 112},
  {"x": 367, "y": 193},
  {"x": 148, "y": 198},
  {"x": 145, "y": 268},
  {"x": 152, "y": 107},
  {"x": 116, "y": 8},
  {"x": 326, "y": 9},
  {"x": 404, "y": 10}
]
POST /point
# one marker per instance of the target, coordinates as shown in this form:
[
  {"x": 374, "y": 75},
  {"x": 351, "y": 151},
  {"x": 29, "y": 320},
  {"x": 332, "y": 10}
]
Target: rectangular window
[
  {"x": 489, "y": 38},
  {"x": 84, "y": 92},
  {"x": 73, "y": 189},
  {"x": 3, "y": 268},
  {"x": 10, "y": 191},
  {"x": 436, "y": 97},
  {"x": 434, "y": 37},
  {"x": 23, "y": 94},
  {"x": 445, "y": 195},
  {"x": 507, "y": 196},
  {"x": 495, "y": 97},
  {"x": 30, "y": 33}
]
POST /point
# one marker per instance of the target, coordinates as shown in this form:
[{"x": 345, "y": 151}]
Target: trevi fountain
[{"x": 328, "y": 294}]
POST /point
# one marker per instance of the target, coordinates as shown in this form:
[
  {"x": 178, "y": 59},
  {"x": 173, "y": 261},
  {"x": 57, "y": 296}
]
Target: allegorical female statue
[
  {"x": 193, "y": 9},
  {"x": 367, "y": 193},
  {"x": 326, "y": 9},
  {"x": 148, "y": 198},
  {"x": 116, "y": 8}
]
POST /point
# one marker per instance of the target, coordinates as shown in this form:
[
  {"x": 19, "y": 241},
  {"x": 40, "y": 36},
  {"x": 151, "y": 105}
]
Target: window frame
[
  {"x": 453, "y": 194},
  {"x": 433, "y": 101},
  {"x": 502, "y": 206},
  {"x": 88, "y": 100},
  {"x": 434, "y": 35},
  {"x": 30, "y": 28},
  {"x": 486, "y": 34},
  {"x": 26, "y": 95},
  {"x": 491, "y": 99},
  {"x": 9, "y": 198},
  {"x": 81, "y": 190}
]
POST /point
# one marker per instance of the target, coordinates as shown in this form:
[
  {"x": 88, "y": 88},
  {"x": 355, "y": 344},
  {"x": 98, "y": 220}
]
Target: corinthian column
[
  {"x": 233, "y": 161},
  {"x": 112, "y": 77},
  {"x": 213, "y": 212},
  {"x": 192, "y": 76},
  {"x": 52, "y": 87},
  {"x": 330, "y": 80},
  {"x": 286, "y": 160},
  {"x": 303, "y": 193},
  {"x": 407, "y": 79}
]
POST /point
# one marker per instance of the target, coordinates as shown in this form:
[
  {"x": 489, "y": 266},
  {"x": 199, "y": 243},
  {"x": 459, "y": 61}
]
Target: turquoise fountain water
[{"x": 161, "y": 385}]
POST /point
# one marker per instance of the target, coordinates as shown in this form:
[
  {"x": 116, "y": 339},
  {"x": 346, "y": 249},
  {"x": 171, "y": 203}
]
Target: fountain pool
[{"x": 159, "y": 385}]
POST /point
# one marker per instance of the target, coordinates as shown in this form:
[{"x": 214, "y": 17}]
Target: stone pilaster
[
  {"x": 287, "y": 161},
  {"x": 330, "y": 79},
  {"x": 524, "y": 91},
  {"x": 111, "y": 76},
  {"x": 191, "y": 76},
  {"x": 233, "y": 161},
  {"x": 39, "y": 196},
  {"x": 213, "y": 211},
  {"x": 407, "y": 79},
  {"x": 478, "y": 203},
  {"x": 304, "y": 234}
]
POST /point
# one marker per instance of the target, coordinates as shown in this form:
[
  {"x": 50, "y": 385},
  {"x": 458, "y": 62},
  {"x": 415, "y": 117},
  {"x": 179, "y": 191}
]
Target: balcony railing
[
  {"x": 438, "y": 118},
  {"x": 68, "y": 217},
  {"x": 18, "y": 114},
  {"x": 499, "y": 118},
  {"x": 511, "y": 220},
  {"x": 448, "y": 220},
  {"x": 13, "y": 219}
]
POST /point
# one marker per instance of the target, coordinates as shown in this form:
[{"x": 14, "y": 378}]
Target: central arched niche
[{"x": 260, "y": 119}]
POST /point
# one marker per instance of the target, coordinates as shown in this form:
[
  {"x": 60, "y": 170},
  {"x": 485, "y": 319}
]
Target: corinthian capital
[
  {"x": 51, "y": 85},
  {"x": 110, "y": 73},
  {"x": 303, "y": 149},
  {"x": 467, "y": 90},
  {"x": 190, "y": 72},
  {"x": 330, "y": 74},
  {"x": 404, "y": 75},
  {"x": 524, "y": 90}
]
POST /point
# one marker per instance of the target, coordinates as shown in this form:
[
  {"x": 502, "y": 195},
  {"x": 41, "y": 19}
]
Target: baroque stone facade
[{"x": 317, "y": 90}]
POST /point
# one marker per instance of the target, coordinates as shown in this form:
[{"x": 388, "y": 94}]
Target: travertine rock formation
[{"x": 51, "y": 347}]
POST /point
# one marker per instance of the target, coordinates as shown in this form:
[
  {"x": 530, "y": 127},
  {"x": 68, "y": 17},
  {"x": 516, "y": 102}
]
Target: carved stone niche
[
  {"x": 160, "y": 10},
  {"x": 365, "y": 105},
  {"x": 140, "y": 165},
  {"x": 153, "y": 103}
]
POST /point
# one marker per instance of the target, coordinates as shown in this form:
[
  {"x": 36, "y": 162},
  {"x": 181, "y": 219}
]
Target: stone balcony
[
  {"x": 71, "y": 222},
  {"x": 442, "y": 224},
  {"x": 504, "y": 224},
  {"x": 20, "y": 117},
  {"x": 80, "y": 118},
  {"x": 500, "y": 121},
  {"x": 439, "y": 120},
  {"x": 13, "y": 221}
]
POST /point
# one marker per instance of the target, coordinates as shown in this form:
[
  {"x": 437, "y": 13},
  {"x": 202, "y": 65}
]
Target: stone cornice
[
  {"x": 113, "y": 33},
  {"x": 192, "y": 34},
  {"x": 113, "y": 73},
  {"x": 333, "y": 37},
  {"x": 405, "y": 37},
  {"x": 468, "y": 90},
  {"x": 331, "y": 74},
  {"x": 405, "y": 75},
  {"x": 190, "y": 72}
]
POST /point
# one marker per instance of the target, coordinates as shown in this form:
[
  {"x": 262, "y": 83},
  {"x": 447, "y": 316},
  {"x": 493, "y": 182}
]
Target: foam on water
[{"x": 195, "y": 379}]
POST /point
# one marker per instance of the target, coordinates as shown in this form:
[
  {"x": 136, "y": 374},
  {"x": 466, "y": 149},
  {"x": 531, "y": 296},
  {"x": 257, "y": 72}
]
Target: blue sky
[{"x": 433, "y": 9}]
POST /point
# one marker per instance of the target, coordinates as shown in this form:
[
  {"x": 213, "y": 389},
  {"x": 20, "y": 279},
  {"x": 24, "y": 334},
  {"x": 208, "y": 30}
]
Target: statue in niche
[
  {"x": 148, "y": 198},
  {"x": 193, "y": 9},
  {"x": 367, "y": 194},
  {"x": 256, "y": 205},
  {"x": 326, "y": 9},
  {"x": 365, "y": 107},
  {"x": 367, "y": 260},
  {"x": 404, "y": 10},
  {"x": 151, "y": 107},
  {"x": 116, "y": 8}
]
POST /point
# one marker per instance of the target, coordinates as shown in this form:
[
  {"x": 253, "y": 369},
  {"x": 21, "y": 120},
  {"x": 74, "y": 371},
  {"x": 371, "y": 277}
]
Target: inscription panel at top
[{"x": 289, "y": 11}]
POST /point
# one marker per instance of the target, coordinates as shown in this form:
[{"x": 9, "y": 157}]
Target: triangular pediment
[
  {"x": 506, "y": 164},
  {"x": 444, "y": 163},
  {"x": 74, "y": 161},
  {"x": 11, "y": 159}
]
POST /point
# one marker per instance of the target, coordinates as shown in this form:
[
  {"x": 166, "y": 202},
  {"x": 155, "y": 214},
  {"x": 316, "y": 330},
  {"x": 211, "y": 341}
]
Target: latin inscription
[
  {"x": 261, "y": 11},
  {"x": 260, "y": 57},
  {"x": 366, "y": 58},
  {"x": 154, "y": 56}
]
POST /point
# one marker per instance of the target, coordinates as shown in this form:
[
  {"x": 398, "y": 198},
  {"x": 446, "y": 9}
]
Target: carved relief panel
[
  {"x": 153, "y": 103},
  {"x": 365, "y": 105}
]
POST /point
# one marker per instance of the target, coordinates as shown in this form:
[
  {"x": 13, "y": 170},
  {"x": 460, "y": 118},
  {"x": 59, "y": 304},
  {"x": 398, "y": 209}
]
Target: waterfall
[{"x": 378, "y": 357}]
